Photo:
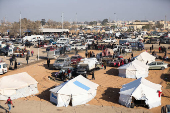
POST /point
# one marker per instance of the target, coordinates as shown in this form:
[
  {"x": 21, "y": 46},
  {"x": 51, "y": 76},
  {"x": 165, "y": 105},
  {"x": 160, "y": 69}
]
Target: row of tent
[
  {"x": 138, "y": 67},
  {"x": 80, "y": 90}
]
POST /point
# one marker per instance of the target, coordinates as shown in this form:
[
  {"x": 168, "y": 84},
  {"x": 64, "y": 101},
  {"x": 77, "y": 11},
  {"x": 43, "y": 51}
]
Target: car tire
[
  {"x": 3, "y": 54},
  {"x": 162, "y": 68}
]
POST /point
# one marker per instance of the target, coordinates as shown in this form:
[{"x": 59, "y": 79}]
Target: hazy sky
[{"x": 87, "y": 10}]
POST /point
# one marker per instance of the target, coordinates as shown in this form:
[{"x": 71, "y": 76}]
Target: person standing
[
  {"x": 132, "y": 55},
  {"x": 32, "y": 53},
  {"x": 11, "y": 61},
  {"x": 159, "y": 43},
  {"x": 150, "y": 49},
  {"x": 76, "y": 52},
  {"x": 152, "y": 46},
  {"x": 9, "y": 102},
  {"x": 27, "y": 58},
  {"x": 15, "y": 65},
  {"x": 104, "y": 65},
  {"x": 48, "y": 62},
  {"x": 86, "y": 53},
  {"x": 93, "y": 75},
  {"x": 159, "y": 49},
  {"x": 69, "y": 73}
]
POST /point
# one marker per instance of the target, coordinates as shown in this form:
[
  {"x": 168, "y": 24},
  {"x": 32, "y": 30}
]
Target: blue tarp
[{"x": 77, "y": 83}]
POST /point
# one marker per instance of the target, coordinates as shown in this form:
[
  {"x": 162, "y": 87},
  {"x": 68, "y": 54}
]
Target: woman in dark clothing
[{"x": 15, "y": 65}]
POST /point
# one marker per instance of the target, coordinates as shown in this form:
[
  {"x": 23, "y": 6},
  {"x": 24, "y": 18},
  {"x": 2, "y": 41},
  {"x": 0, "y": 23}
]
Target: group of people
[
  {"x": 89, "y": 54},
  {"x": 65, "y": 74}
]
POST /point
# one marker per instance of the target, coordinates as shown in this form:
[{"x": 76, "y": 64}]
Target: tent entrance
[
  {"x": 70, "y": 103},
  {"x": 139, "y": 102}
]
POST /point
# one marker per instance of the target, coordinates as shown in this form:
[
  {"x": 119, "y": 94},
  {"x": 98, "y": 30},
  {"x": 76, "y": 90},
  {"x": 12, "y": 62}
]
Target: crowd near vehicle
[
  {"x": 61, "y": 62},
  {"x": 158, "y": 65}
]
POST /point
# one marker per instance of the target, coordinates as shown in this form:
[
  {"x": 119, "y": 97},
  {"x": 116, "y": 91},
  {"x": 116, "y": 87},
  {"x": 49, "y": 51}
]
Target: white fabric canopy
[
  {"x": 134, "y": 69},
  {"x": 79, "y": 90},
  {"x": 145, "y": 56},
  {"x": 17, "y": 84},
  {"x": 140, "y": 89}
]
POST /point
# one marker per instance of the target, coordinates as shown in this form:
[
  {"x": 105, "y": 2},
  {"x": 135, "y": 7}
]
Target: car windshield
[
  {"x": 59, "y": 60},
  {"x": 73, "y": 57},
  {"x": 4, "y": 65}
]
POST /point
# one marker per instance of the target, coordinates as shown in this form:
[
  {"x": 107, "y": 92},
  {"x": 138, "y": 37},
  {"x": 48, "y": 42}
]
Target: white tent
[
  {"x": 77, "y": 91},
  {"x": 140, "y": 89},
  {"x": 135, "y": 69},
  {"x": 145, "y": 56},
  {"x": 17, "y": 86}
]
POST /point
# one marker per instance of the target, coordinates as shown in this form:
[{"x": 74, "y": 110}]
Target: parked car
[
  {"x": 61, "y": 62},
  {"x": 3, "y": 52},
  {"x": 75, "y": 59},
  {"x": 110, "y": 40},
  {"x": 28, "y": 44},
  {"x": 158, "y": 65}
]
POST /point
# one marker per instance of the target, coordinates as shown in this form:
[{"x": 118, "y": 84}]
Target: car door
[
  {"x": 152, "y": 65},
  {"x": 159, "y": 65}
]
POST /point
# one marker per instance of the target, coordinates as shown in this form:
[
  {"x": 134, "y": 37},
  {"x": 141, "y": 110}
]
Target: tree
[
  {"x": 104, "y": 22},
  {"x": 43, "y": 22},
  {"x": 137, "y": 21}
]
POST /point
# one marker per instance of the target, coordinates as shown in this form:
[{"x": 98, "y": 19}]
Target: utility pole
[
  {"x": 165, "y": 23},
  {"x": 62, "y": 20},
  {"x": 76, "y": 18},
  {"x": 20, "y": 24}
]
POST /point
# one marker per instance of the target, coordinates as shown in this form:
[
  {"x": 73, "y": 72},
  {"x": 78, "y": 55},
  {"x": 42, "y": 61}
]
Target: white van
[
  {"x": 63, "y": 40},
  {"x": 3, "y": 68}
]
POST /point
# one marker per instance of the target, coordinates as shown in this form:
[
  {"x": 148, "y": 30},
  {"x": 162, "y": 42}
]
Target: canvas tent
[
  {"x": 140, "y": 90},
  {"x": 134, "y": 69},
  {"x": 145, "y": 56},
  {"x": 76, "y": 91},
  {"x": 17, "y": 86}
]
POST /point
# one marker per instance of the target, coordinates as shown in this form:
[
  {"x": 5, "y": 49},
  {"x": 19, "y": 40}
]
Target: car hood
[
  {"x": 72, "y": 60},
  {"x": 58, "y": 63}
]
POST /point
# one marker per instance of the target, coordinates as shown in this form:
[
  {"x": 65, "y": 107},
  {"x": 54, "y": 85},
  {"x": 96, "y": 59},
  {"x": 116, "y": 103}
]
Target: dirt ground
[{"x": 107, "y": 96}]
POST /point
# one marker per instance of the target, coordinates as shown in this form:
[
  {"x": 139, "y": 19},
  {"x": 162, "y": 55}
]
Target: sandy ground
[{"x": 107, "y": 96}]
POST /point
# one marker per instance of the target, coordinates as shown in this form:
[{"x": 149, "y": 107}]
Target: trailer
[{"x": 86, "y": 66}]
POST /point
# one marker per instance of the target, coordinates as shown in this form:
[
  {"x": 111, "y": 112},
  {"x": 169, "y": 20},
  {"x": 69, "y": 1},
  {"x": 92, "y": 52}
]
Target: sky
[{"x": 85, "y": 10}]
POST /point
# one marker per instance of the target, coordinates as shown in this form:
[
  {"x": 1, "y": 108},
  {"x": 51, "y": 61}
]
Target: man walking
[{"x": 9, "y": 102}]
